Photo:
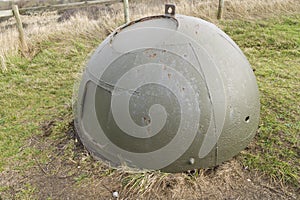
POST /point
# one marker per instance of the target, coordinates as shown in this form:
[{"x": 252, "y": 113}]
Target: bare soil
[{"x": 71, "y": 173}]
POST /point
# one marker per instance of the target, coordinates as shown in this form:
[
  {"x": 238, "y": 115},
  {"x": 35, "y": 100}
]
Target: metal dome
[{"x": 168, "y": 93}]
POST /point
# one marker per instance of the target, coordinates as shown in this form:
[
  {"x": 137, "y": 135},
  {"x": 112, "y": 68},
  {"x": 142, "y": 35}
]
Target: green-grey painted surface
[{"x": 167, "y": 92}]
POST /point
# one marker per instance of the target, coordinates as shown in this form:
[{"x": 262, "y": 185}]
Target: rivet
[{"x": 192, "y": 161}]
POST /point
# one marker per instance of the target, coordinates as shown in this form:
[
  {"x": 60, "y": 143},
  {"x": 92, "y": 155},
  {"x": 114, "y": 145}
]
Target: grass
[
  {"x": 35, "y": 90},
  {"x": 36, "y": 99},
  {"x": 273, "y": 49},
  {"x": 40, "y": 26},
  {"x": 32, "y": 93}
]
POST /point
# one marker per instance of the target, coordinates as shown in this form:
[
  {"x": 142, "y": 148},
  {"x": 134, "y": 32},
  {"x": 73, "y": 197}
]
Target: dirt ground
[{"x": 71, "y": 173}]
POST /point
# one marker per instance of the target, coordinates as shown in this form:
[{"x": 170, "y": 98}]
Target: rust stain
[
  {"x": 142, "y": 20},
  {"x": 152, "y": 55},
  {"x": 147, "y": 120}
]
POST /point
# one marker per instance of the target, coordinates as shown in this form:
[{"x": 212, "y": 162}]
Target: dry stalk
[{"x": 3, "y": 65}]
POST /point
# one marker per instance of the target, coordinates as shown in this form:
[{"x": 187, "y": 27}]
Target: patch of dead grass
[
  {"x": 71, "y": 173},
  {"x": 40, "y": 27}
]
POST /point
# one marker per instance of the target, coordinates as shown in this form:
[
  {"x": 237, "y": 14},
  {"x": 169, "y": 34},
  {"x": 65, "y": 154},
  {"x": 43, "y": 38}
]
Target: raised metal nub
[{"x": 170, "y": 9}]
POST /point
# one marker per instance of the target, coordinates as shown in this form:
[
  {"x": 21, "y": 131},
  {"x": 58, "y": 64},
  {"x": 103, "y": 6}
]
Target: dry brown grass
[
  {"x": 44, "y": 25},
  {"x": 73, "y": 174}
]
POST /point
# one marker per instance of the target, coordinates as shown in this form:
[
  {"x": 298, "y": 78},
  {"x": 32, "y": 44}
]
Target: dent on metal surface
[{"x": 168, "y": 93}]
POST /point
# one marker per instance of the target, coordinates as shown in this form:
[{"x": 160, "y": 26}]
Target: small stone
[
  {"x": 115, "y": 194},
  {"x": 248, "y": 180}
]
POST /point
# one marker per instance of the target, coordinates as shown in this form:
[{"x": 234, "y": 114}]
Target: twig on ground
[{"x": 39, "y": 165}]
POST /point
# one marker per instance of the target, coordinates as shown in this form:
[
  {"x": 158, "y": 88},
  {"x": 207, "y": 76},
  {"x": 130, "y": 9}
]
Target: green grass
[
  {"x": 273, "y": 49},
  {"x": 35, "y": 91},
  {"x": 40, "y": 89}
]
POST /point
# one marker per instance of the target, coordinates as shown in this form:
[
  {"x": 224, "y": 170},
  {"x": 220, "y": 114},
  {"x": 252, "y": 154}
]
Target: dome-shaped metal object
[{"x": 167, "y": 92}]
